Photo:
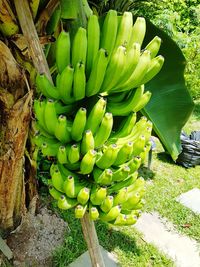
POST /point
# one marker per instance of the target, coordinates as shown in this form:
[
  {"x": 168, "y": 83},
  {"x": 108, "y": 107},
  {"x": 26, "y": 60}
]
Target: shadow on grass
[
  {"x": 146, "y": 173},
  {"x": 110, "y": 238},
  {"x": 164, "y": 157},
  {"x": 75, "y": 245}
]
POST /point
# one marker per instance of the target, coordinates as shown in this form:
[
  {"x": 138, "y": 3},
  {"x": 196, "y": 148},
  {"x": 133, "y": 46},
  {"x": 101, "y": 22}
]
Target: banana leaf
[{"x": 171, "y": 104}]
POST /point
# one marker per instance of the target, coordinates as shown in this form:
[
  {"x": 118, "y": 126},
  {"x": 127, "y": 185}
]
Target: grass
[
  {"x": 165, "y": 181},
  {"x": 169, "y": 181},
  {"x": 125, "y": 242}
]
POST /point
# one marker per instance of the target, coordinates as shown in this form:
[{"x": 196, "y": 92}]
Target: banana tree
[{"x": 170, "y": 98}]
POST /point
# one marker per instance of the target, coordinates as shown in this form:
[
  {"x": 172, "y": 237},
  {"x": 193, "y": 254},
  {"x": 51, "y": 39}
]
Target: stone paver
[
  {"x": 183, "y": 250},
  {"x": 191, "y": 200},
  {"x": 84, "y": 260}
]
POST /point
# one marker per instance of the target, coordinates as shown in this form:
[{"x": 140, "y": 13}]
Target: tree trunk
[{"x": 15, "y": 116}]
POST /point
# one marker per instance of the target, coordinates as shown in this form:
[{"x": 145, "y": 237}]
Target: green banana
[
  {"x": 79, "y": 81},
  {"x": 111, "y": 215},
  {"x": 60, "y": 108},
  {"x": 104, "y": 130},
  {"x": 131, "y": 219},
  {"x": 93, "y": 39},
  {"x": 50, "y": 116},
  {"x": 125, "y": 107},
  {"x": 96, "y": 115},
  {"x": 57, "y": 180},
  {"x": 83, "y": 195},
  {"x": 98, "y": 194},
  {"x": 137, "y": 130},
  {"x": 49, "y": 149},
  {"x": 46, "y": 87},
  {"x": 107, "y": 204},
  {"x": 109, "y": 31},
  {"x": 121, "y": 173},
  {"x": 115, "y": 69},
  {"x": 66, "y": 172},
  {"x": 124, "y": 29},
  {"x": 73, "y": 153},
  {"x": 88, "y": 161},
  {"x": 69, "y": 187},
  {"x": 139, "y": 206},
  {"x": 80, "y": 211},
  {"x": 131, "y": 60},
  {"x": 134, "y": 164},
  {"x": 62, "y": 132},
  {"x": 121, "y": 196},
  {"x": 145, "y": 151},
  {"x": 54, "y": 193},
  {"x": 118, "y": 97},
  {"x": 65, "y": 82},
  {"x": 138, "y": 74},
  {"x": 97, "y": 74},
  {"x": 66, "y": 203},
  {"x": 87, "y": 142},
  {"x": 73, "y": 166},
  {"x": 120, "y": 220},
  {"x": 62, "y": 155},
  {"x": 63, "y": 51},
  {"x": 143, "y": 101},
  {"x": 93, "y": 213},
  {"x": 154, "y": 46},
  {"x": 126, "y": 126},
  {"x": 108, "y": 157},
  {"x": 39, "y": 107},
  {"x": 52, "y": 170},
  {"x": 138, "y": 31},
  {"x": 147, "y": 133},
  {"x": 138, "y": 145},
  {"x": 137, "y": 185},
  {"x": 78, "y": 125},
  {"x": 102, "y": 177},
  {"x": 132, "y": 201},
  {"x": 124, "y": 154},
  {"x": 125, "y": 183},
  {"x": 154, "y": 68},
  {"x": 38, "y": 139},
  {"x": 73, "y": 185},
  {"x": 79, "y": 47}
]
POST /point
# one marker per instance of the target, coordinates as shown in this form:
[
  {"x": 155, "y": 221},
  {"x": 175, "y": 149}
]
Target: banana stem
[
  {"x": 92, "y": 241},
  {"x": 28, "y": 28},
  {"x": 46, "y": 15}
]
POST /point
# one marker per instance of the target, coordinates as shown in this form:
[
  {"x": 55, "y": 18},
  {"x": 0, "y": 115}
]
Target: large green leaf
[{"x": 171, "y": 104}]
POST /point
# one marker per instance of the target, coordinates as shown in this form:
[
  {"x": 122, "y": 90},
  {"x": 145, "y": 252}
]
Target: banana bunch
[
  {"x": 87, "y": 123},
  {"x": 95, "y": 164},
  {"x": 105, "y": 59}
]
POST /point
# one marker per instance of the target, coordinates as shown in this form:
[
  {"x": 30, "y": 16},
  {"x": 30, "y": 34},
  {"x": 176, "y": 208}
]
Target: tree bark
[{"x": 15, "y": 115}]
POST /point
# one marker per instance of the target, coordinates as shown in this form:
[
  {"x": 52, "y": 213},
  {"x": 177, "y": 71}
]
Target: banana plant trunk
[{"x": 15, "y": 116}]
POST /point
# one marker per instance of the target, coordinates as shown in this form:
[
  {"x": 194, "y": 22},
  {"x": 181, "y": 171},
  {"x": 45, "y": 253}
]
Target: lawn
[{"x": 165, "y": 181}]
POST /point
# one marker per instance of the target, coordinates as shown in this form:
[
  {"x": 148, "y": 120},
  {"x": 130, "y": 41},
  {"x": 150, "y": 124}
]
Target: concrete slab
[
  {"x": 191, "y": 200},
  {"x": 181, "y": 249},
  {"x": 84, "y": 260}
]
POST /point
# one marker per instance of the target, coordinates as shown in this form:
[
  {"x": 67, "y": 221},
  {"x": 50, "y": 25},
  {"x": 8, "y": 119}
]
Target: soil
[{"x": 35, "y": 240}]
